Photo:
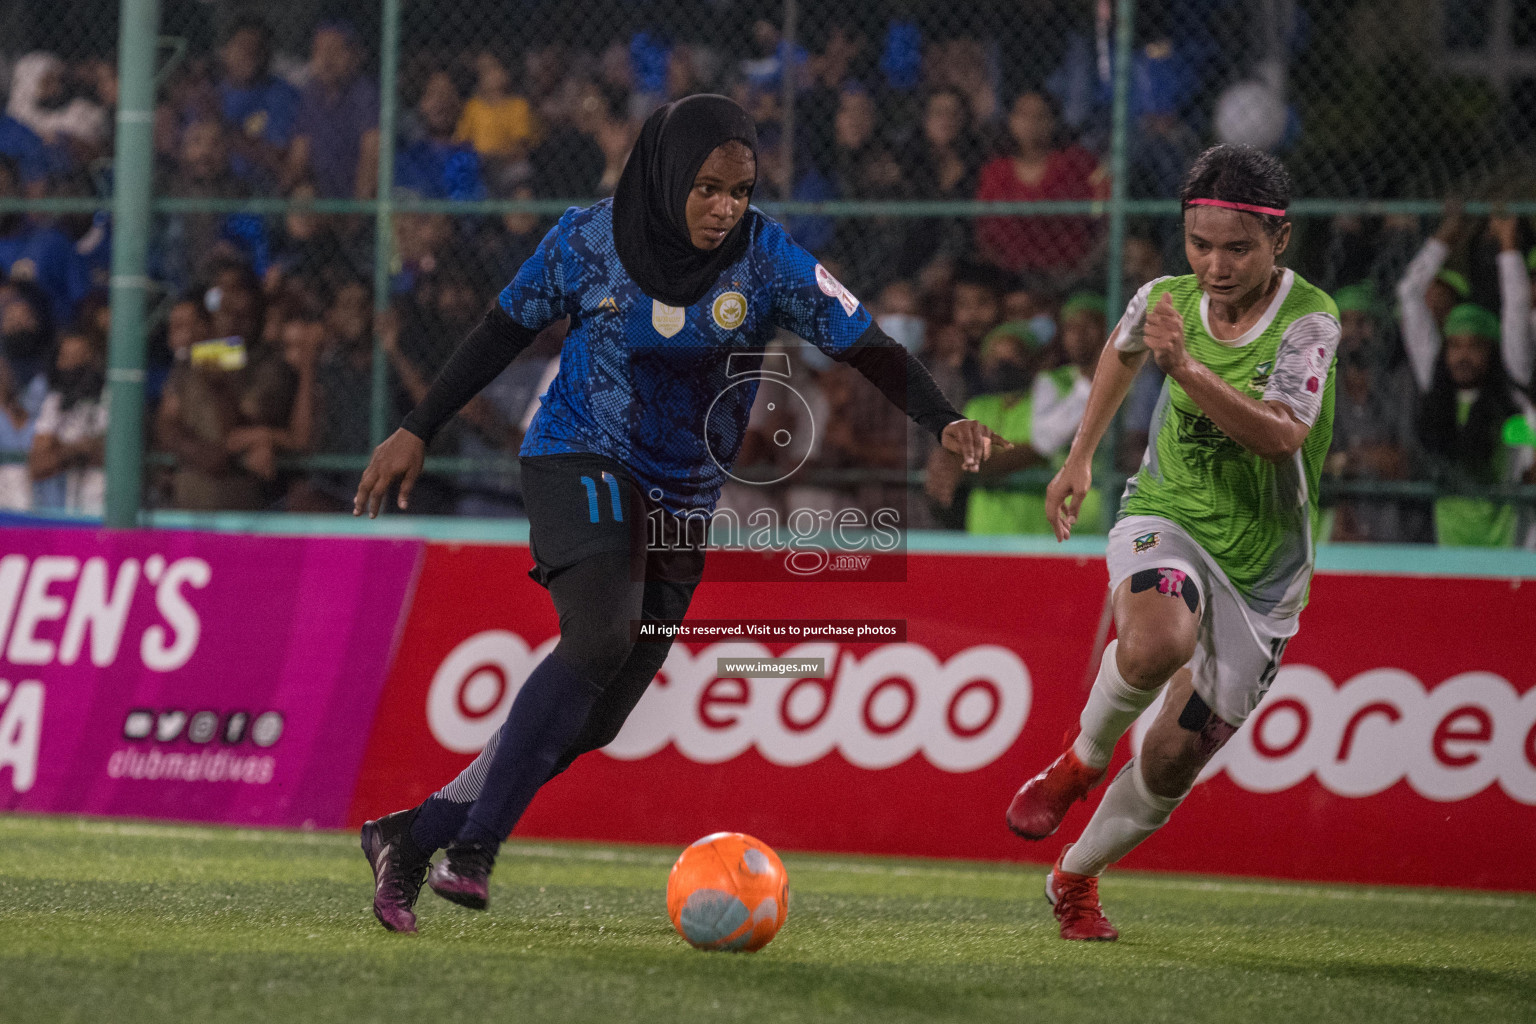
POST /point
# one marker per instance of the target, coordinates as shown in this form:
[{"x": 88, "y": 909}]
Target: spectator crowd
[{"x": 264, "y": 326}]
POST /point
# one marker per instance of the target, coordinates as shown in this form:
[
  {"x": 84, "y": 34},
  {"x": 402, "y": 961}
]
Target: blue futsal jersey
[{"x": 648, "y": 384}]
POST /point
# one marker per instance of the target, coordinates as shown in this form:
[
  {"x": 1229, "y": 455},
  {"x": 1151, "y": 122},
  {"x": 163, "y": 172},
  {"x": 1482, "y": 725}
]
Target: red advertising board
[{"x": 1398, "y": 744}]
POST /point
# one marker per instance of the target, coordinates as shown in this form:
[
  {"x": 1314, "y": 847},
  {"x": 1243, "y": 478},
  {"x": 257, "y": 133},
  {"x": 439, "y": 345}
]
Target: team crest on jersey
[
  {"x": 833, "y": 287},
  {"x": 1146, "y": 542},
  {"x": 1261, "y": 375},
  {"x": 729, "y": 310},
  {"x": 667, "y": 320}
]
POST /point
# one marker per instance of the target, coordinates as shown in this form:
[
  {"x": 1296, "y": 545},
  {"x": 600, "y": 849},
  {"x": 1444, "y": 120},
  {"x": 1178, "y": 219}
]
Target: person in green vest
[
  {"x": 1461, "y": 423},
  {"x": 1041, "y": 423},
  {"x": 1009, "y": 358}
]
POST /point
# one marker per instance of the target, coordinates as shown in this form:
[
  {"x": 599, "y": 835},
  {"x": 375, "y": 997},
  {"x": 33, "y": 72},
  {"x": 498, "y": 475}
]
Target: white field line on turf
[{"x": 640, "y": 857}]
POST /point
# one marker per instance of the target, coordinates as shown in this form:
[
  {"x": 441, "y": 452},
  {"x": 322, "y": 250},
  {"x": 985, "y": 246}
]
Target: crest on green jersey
[{"x": 1261, "y": 374}]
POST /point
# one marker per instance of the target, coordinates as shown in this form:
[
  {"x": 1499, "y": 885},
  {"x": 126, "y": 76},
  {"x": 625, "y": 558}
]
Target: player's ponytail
[{"x": 1241, "y": 178}]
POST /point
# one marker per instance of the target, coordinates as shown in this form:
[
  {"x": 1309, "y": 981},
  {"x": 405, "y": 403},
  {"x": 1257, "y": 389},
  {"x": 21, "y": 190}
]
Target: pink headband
[{"x": 1245, "y": 207}]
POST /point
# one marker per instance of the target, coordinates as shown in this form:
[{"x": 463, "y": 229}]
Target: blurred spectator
[
  {"x": 978, "y": 295},
  {"x": 1029, "y": 301},
  {"x": 15, "y": 444},
  {"x": 962, "y": 64},
  {"x": 188, "y": 241},
  {"x": 863, "y": 430},
  {"x": 40, "y": 99},
  {"x": 27, "y": 153},
  {"x": 432, "y": 319},
  {"x": 584, "y": 143},
  {"x": 509, "y": 403},
  {"x": 1059, "y": 399},
  {"x": 336, "y": 130},
  {"x": 1035, "y": 166},
  {"x": 1373, "y": 426},
  {"x": 40, "y": 254},
  {"x": 863, "y": 166},
  {"x": 1529, "y": 383},
  {"x": 68, "y": 439},
  {"x": 943, "y": 165},
  {"x": 422, "y": 241},
  {"x": 1036, "y": 396},
  {"x": 1061, "y": 390},
  {"x": 503, "y": 245},
  {"x": 26, "y": 339},
  {"x": 311, "y": 246},
  {"x": 496, "y": 121},
  {"x": 432, "y": 165},
  {"x": 896, "y": 311},
  {"x": 1516, "y": 339},
  {"x": 1461, "y": 423},
  {"x": 258, "y": 107},
  {"x": 226, "y": 385},
  {"x": 1429, "y": 290},
  {"x": 339, "y": 403},
  {"x": 1010, "y": 358}
]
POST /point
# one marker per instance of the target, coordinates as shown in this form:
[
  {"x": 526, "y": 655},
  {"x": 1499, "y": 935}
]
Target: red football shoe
[
  {"x": 1075, "y": 902},
  {"x": 1041, "y": 803}
]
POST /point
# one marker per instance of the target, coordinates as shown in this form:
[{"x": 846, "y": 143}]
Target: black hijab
[{"x": 650, "y": 226}]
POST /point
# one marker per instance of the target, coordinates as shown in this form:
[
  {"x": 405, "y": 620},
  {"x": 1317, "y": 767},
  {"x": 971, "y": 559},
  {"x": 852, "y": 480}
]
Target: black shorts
[{"x": 584, "y": 504}]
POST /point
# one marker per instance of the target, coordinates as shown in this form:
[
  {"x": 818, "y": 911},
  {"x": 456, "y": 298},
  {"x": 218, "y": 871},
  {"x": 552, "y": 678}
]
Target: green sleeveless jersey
[{"x": 1255, "y": 518}]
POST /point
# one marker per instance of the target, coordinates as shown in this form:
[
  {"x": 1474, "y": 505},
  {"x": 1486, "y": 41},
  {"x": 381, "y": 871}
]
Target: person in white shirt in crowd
[
  {"x": 68, "y": 442},
  {"x": 1428, "y": 291}
]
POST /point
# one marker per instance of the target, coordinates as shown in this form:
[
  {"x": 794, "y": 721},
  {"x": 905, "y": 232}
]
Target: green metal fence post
[
  {"x": 1119, "y": 138},
  {"x": 383, "y": 233},
  {"x": 1125, "y": 15},
  {"x": 132, "y": 167}
]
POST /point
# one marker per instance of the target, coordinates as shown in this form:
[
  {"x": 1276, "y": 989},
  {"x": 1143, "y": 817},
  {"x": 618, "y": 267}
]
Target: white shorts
[{"x": 1238, "y": 650}]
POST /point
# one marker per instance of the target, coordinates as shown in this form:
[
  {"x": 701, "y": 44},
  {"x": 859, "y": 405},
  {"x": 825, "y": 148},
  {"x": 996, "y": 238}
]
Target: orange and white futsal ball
[{"x": 728, "y": 891}]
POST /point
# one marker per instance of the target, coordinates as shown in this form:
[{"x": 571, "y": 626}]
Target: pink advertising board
[{"x": 193, "y": 676}]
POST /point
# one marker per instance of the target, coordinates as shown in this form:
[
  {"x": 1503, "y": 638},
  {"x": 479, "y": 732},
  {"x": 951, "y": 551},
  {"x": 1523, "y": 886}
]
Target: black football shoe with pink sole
[
  {"x": 463, "y": 876},
  {"x": 399, "y": 868}
]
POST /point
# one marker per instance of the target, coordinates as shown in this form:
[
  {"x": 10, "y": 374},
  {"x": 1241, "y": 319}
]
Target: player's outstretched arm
[
  {"x": 1111, "y": 383},
  {"x": 910, "y": 387},
  {"x": 400, "y": 458}
]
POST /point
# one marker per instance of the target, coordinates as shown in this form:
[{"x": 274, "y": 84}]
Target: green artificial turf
[{"x": 126, "y": 922}]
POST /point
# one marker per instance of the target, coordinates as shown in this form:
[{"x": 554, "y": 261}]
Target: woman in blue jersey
[{"x": 661, "y": 285}]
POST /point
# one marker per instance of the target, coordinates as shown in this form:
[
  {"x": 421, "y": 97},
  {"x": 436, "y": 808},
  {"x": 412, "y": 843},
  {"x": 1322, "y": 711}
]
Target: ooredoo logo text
[
  {"x": 878, "y": 710},
  {"x": 1380, "y": 728}
]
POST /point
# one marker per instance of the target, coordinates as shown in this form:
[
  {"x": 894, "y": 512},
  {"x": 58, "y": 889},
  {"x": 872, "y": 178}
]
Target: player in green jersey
[{"x": 1211, "y": 555}]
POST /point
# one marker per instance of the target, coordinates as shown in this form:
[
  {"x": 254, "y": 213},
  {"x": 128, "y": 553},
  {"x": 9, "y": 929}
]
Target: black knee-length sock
[{"x": 548, "y": 713}]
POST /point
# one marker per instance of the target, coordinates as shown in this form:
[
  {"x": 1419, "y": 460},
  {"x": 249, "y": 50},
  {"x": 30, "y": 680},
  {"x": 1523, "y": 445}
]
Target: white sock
[
  {"x": 1113, "y": 704},
  {"x": 1128, "y": 814}
]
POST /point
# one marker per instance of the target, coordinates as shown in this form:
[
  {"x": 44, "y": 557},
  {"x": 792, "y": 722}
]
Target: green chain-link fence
[{"x": 339, "y": 188}]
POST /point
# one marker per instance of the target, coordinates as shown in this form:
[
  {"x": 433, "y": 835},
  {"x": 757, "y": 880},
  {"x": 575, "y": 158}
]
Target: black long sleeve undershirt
[
  {"x": 902, "y": 379},
  {"x": 497, "y": 340},
  {"x": 479, "y": 359}
]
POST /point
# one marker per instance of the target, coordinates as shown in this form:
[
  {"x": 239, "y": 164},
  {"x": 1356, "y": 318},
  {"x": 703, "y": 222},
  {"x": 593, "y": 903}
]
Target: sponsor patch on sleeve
[{"x": 834, "y": 288}]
